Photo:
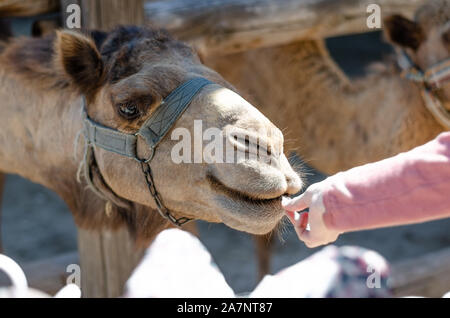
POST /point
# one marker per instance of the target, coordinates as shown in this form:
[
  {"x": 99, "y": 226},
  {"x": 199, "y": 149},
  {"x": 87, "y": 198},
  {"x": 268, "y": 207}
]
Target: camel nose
[
  {"x": 268, "y": 149},
  {"x": 294, "y": 184},
  {"x": 293, "y": 180}
]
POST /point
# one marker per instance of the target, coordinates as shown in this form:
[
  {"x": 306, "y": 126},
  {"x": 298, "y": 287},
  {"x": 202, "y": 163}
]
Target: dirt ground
[{"x": 37, "y": 224}]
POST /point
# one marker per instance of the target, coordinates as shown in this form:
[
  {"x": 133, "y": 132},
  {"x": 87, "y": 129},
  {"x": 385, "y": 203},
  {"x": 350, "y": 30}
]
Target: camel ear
[
  {"x": 98, "y": 37},
  {"x": 80, "y": 60},
  {"x": 403, "y": 32}
]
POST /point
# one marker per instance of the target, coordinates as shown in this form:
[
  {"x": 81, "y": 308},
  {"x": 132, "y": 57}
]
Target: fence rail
[{"x": 225, "y": 26}]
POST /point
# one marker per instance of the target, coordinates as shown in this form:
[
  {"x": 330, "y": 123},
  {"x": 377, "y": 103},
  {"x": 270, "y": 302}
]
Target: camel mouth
[
  {"x": 239, "y": 196},
  {"x": 245, "y": 212}
]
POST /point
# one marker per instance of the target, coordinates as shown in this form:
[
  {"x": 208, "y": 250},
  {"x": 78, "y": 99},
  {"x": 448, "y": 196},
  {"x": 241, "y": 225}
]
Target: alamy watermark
[
  {"x": 75, "y": 275},
  {"x": 73, "y": 19},
  {"x": 374, "y": 19},
  {"x": 374, "y": 279}
]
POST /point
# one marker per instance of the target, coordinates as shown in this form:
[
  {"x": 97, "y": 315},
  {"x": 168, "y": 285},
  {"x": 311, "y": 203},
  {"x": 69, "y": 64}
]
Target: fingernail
[{"x": 285, "y": 201}]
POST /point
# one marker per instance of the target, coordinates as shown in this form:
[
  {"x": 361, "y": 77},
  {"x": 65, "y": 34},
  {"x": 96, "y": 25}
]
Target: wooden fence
[{"x": 225, "y": 26}]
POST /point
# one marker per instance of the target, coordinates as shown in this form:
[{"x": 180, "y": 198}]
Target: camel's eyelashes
[
  {"x": 446, "y": 37},
  {"x": 129, "y": 110}
]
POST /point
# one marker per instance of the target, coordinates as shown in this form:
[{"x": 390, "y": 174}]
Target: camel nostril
[
  {"x": 294, "y": 184},
  {"x": 250, "y": 142}
]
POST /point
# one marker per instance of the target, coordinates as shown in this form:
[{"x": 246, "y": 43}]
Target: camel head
[
  {"x": 426, "y": 39},
  {"x": 124, "y": 75}
]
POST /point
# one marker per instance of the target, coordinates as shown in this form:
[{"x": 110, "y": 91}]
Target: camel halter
[
  {"x": 152, "y": 131},
  {"x": 430, "y": 79}
]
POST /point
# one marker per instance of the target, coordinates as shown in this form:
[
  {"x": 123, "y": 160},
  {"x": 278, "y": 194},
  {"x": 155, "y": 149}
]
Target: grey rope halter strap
[
  {"x": 429, "y": 79},
  {"x": 152, "y": 131}
]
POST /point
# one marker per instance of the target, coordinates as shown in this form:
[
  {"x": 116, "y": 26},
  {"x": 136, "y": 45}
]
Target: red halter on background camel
[{"x": 124, "y": 76}]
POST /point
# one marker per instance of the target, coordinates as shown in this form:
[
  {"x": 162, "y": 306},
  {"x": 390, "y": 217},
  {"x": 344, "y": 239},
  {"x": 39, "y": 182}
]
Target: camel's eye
[
  {"x": 446, "y": 37},
  {"x": 128, "y": 110}
]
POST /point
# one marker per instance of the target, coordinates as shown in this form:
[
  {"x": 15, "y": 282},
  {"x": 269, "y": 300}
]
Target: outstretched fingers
[{"x": 296, "y": 204}]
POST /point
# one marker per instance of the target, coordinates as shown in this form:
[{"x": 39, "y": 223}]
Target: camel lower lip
[
  {"x": 245, "y": 213},
  {"x": 240, "y": 196}
]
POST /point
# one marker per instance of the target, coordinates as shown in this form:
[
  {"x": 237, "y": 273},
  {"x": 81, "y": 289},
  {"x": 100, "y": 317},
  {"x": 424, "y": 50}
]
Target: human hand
[{"x": 318, "y": 233}]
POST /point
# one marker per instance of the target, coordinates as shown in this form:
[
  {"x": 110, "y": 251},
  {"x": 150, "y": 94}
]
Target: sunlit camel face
[{"x": 140, "y": 70}]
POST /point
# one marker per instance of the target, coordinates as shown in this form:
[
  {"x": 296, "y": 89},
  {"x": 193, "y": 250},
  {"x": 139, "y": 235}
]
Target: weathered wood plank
[
  {"x": 106, "y": 14},
  {"x": 93, "y": 277},
  {"x": 121, "y": 257},
  {"x": 427, "y": 276},
  {"x": 22, "y": 8},
  {"x": 220, "y": 27},
  {"x": 107, "y": 260}
]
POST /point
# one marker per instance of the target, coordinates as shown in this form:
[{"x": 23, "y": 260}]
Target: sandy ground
[{"x": 37, "y": 224}]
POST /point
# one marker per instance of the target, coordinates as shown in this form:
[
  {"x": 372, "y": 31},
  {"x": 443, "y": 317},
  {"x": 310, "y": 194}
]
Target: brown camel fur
[
  {"x": 336, "y": 124},
  {"x": 41, "y": 81}
]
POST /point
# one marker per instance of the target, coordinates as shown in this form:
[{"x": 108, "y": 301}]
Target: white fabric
[
  {"x": 177, "y": 265},
  {"x": 20, "y": 289},
  {"x": 312, "y": 277}
]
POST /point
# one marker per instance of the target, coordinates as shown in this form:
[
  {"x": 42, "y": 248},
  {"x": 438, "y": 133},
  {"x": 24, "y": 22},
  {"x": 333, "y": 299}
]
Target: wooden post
[{"x": 106, "y": 258}]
